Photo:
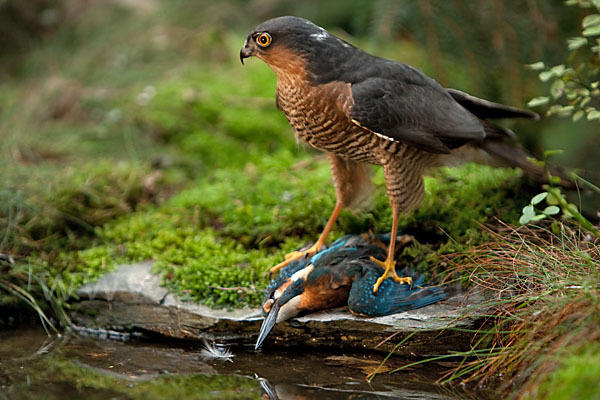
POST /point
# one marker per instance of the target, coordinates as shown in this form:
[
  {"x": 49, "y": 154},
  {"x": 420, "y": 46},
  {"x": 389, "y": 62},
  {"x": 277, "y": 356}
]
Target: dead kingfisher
[{"x": 343, "y": 273}]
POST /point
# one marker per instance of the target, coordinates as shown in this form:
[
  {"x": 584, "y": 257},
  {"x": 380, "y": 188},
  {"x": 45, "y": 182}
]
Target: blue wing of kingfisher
[{"x": 342, "y": 274}]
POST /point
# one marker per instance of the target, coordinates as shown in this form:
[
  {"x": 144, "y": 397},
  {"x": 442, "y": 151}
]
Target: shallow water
[{"x": 33, "y": 365}]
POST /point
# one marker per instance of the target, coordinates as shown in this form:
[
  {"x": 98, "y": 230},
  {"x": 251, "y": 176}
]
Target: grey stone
[
  {"x": 132, "y": 300},
  {"x": 133, "y": 283}
]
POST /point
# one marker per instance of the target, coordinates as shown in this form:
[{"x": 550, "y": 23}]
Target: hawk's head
[{"x": 292, "y": 45}]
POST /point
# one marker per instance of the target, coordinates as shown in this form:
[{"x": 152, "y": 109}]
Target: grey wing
[
  {"x": 415, "y": 111},
  {"x": 485, "y": 109}
]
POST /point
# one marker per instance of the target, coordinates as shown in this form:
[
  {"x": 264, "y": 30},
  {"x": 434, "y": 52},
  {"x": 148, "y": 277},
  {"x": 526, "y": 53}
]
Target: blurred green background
[
  {"x": 113, "y": 106},
  {"x": 75, "y": 47}
]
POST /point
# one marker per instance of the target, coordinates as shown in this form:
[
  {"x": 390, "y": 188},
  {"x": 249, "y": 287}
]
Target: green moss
[
  {"x": 576, "y": 376},
  {"x": 214, "y": 241},
  {"x": 222, "y": 233},
  {"x": 50, "y": 209},
  {"x": 90, "y": 265},
  {"x": 87, "y": 381},
  {"x": 265, "y": 202},
  {"x": 198, "y": 268},
  {"x": 219, "y": 107},
  {"x": 198, "y": 387}
]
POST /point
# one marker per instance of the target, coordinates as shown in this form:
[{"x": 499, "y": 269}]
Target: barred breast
[
  {"x": 316, "y": 114},
  {"x": 319, "y": 116}
]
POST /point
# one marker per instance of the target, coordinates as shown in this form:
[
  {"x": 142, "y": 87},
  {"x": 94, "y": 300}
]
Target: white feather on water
[{"x": 214, "y": 351}]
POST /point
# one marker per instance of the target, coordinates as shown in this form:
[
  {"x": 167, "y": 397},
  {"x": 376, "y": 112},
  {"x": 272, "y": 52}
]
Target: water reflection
[
  {"x": 31, "y": 365},
  {"x": 297, "y": 392}
]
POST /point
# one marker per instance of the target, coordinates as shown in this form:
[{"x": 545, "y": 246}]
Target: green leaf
[
  {"x": 552, "y": 153},
  {"x": 525, "y": 219},
  {"x": 594, "y": 114},
  {"x": 538, "y": 217},
  {"x": 576, "y": 42},
  {"x": 566, "y": 110},
  {"x": 582, "y": 92},
  {"x": 545, "y": 76},
  {"x": 592, "y": 31},
  {"x": 557, "y": 89},
  {"x": 591, "y": 20},
  {"x": 578, "y": 115},
  {"x": 538, "y": 66},
  {"x": 558, "y": 70},
  {"x": 538, "y": 198},
  {"x": 555, "y": 108},
  {"x": 552, "y": 200},
  {"x": 538, "y": 101},
  {"x": 585, "y": 100},
  {"x": 551, "y": 210},
  {"x": 570, "y": 210},
  {"x": 528, "y": 212},
  {"x": 555, "y": 227},
  {"x": 555, "y": 180},
  {"x": 539, "y": 163}
]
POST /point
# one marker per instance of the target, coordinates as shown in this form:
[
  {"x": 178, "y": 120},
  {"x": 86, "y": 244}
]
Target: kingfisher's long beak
[
  {"x": 267, "y": 325},
  {"x": 245, "y": 52}
]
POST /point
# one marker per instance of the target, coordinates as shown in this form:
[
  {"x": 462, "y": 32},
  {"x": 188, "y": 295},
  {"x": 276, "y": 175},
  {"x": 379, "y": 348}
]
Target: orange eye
[{"x": 263, "y": 40}]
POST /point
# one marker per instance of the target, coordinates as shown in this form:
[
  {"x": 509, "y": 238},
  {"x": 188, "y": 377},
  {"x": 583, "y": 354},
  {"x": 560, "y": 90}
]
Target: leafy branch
[
  {"x": 575, "y": 88},
  {"x": 556, "y": 202}
]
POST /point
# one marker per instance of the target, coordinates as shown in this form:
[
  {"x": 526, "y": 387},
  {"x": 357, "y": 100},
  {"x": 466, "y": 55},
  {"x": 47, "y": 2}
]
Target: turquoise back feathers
[
  {"x": 346, "y": 262},
  {"x": 342, "y": 274}
]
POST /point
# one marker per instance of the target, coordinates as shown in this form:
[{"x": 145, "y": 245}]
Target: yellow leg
[
  {"x": 295, "y": 255},
  {"x": 390, "y": 264}
]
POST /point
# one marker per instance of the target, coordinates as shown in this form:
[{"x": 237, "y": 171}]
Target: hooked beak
[
  {"x": 245, "y": 52},
  {"x": 267, "y": 325}
]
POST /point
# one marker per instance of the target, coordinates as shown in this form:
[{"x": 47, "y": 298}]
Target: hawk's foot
[
  {"x": 390, "y": 270},
  {"x": 296, "y": 255}
]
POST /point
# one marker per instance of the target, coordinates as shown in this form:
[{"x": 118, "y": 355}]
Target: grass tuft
[{"x": 545, "y": 307}]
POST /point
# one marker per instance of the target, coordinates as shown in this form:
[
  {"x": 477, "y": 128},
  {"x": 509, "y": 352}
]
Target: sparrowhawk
[{"x": 361, "y": 109}]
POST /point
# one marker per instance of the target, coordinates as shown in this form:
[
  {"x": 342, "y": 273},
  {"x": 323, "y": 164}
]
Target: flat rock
[{"x": 131, "y": 300}]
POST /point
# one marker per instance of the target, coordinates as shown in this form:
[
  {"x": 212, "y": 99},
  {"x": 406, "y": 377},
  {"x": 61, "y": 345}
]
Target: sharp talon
[
  {"x": 406, "y": 279},
  {"x": 390, "y": 269},
  {"x": 378, "y": 283}
]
